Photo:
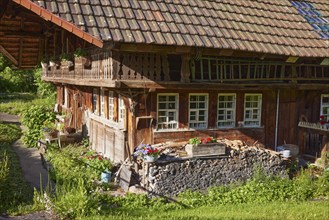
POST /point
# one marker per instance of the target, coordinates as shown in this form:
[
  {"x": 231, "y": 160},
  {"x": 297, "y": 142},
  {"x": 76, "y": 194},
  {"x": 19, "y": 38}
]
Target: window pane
[{"x": 167, "y": 117}]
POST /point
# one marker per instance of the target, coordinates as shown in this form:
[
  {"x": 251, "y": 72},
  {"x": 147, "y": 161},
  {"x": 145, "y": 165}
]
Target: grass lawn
[
  {"x": 15, "y": 103},
  {"x": 305, "y": 210}
]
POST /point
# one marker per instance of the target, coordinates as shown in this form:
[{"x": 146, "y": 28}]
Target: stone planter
[{"x": 210, "y": 149}]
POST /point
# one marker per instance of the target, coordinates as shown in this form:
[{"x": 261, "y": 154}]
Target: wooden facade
[
  {"x": 113, "y": 94},
  {"x": 289, "y": 92}
]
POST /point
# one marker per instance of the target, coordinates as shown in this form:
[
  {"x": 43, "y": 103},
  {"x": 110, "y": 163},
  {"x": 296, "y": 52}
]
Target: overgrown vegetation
[
  {"x": 78, "y": 197},
  {"x": 16, "y": 103},
  {"x": 15, "y": 80},
  {"x": 75, "y": 170},
  {"x": 34, "y": 118},
  {"x": 16, "y": 195},
  {"x": 21, "y": 89}
]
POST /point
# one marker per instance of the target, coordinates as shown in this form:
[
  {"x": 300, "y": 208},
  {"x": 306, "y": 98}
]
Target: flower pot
[
  {"x": 106, "y": 176},
  {"x": 44, "y": 65},
  {"x": 52, "y": 63},
  {"x": 149, "y": 159}
]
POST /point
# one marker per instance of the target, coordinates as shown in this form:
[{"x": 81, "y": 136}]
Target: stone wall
[{"x": 171, "y": 178}]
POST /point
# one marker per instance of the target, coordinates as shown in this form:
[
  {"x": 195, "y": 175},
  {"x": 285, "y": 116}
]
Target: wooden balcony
[{"x": 142, "y": 70}]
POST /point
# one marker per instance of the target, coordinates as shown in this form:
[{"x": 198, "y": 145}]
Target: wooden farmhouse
[{"x": 133, "y": 71}]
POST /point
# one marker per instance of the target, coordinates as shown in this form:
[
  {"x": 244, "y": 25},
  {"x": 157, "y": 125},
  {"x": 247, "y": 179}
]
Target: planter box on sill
[{"x": 210, "y": 149}]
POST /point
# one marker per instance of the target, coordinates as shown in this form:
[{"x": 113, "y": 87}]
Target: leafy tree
[{"x": 15, "y": 80}]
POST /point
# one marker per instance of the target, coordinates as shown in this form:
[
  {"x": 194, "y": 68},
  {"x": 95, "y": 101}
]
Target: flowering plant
[
  {"x": 323, "y": 119},
  {"x": 95, "y": 160},
  {"x": 146, "y": 150},
  {"x": 198, "y": 140}
]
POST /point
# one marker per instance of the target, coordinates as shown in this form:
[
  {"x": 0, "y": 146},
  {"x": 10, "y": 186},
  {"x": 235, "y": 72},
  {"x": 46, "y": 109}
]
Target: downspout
[{"x": 277, "y": 118}]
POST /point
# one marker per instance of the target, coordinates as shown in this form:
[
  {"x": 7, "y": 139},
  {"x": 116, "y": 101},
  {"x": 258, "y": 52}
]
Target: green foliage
[
  {"x": 16, "y": 103},
  {"x": 80, "y": 52},
  {"x": 194, "y": 141},
  {"x": 75, "y": 162},
  {"x": 73, "y": 200},
  {"x": 75, "y": 170},
  {"x": 15, "y": 80},
  {"x": 15, "y": 192},
  {"x": 4, "y": 172},
  {"x": 44, "y": 89},
  {"x": 34, "y": 118},
  {"x": 9, "y": 133},
  {"x": 322, "y": 185}
]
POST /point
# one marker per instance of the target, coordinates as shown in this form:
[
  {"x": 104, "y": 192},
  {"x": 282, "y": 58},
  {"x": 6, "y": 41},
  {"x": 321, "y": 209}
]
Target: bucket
[
  {"x": 285, "y": 153},
  {"x": 106, "y": 176}
]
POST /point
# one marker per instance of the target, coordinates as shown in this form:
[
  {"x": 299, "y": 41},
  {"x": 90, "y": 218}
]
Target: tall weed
[{"x": 73, "y": 201}]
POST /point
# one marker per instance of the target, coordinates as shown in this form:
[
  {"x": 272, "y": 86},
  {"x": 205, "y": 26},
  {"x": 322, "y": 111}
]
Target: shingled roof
[{"x": 265, "y": 26}]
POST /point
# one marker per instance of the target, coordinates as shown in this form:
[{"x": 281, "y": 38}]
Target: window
[
  {"x": 102, "y": 99},
  {"x": 252, "y": 110},
  {"x": 111, "y": 106},
  {"x": 325, "y": 106},
  {"x": 95, "y": 102},
  {"x": 226, "y": 110},
  {"x": 167, "y": 111},
  {"x": 122, "y": 110},
  {"x": 198, "y": 112}
]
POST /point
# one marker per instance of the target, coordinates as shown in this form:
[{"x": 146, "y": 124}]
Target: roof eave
[{"x": 48, "y": 16}]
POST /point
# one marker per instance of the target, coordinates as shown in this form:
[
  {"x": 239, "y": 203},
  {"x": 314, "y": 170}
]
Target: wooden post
[{"x": 185, "y": 68}]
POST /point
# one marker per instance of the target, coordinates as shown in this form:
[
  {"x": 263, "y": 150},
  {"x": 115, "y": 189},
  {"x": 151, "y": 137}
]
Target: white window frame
[
  {"x": 251, "y": 121},
  {"x": 95, "y": 101},
  {"x": 196, "y": 123},
  {"x": 168, "y": 124},
  {"x": 122, "y": 110},
  {"x": 324, "y": 107},
  {"x": 102, "y": 102},
  {"x": 227, "y": 112},
  {"x": 111, "y": 105}
]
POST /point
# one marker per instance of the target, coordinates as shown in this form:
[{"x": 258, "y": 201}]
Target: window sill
[{"x": 209, "y": 129}]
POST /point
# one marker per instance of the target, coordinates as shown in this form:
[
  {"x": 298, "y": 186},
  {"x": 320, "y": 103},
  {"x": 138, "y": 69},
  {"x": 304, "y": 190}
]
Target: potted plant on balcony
[
  {"x": 53, "y": 61},
  {"x": 80, "y": 57},
  {"x": 147, "y": 152},
  {"x": 44, "y": 63},
  {"x": 200, "y": 146},
  {"x": 65, "y": 60}
]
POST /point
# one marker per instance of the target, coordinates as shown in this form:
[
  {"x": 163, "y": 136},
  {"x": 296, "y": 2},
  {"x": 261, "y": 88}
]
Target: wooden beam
[
  {"x": 19, "y": 34},
  {"x": 8, "y": 55},
  {"x": 3, "y": 7}
]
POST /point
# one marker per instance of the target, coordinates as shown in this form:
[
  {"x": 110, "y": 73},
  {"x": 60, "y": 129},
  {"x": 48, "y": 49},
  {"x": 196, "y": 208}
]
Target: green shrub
[
  {"x": 44, "y": 89},
  {"x": 34, "y": 118}
]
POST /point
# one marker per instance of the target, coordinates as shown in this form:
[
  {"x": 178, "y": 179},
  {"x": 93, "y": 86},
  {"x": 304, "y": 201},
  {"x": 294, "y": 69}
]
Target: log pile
[{"x": 239, "y": 164}]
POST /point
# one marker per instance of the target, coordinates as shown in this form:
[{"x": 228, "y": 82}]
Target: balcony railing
[{"x": 156, "y": 67}]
